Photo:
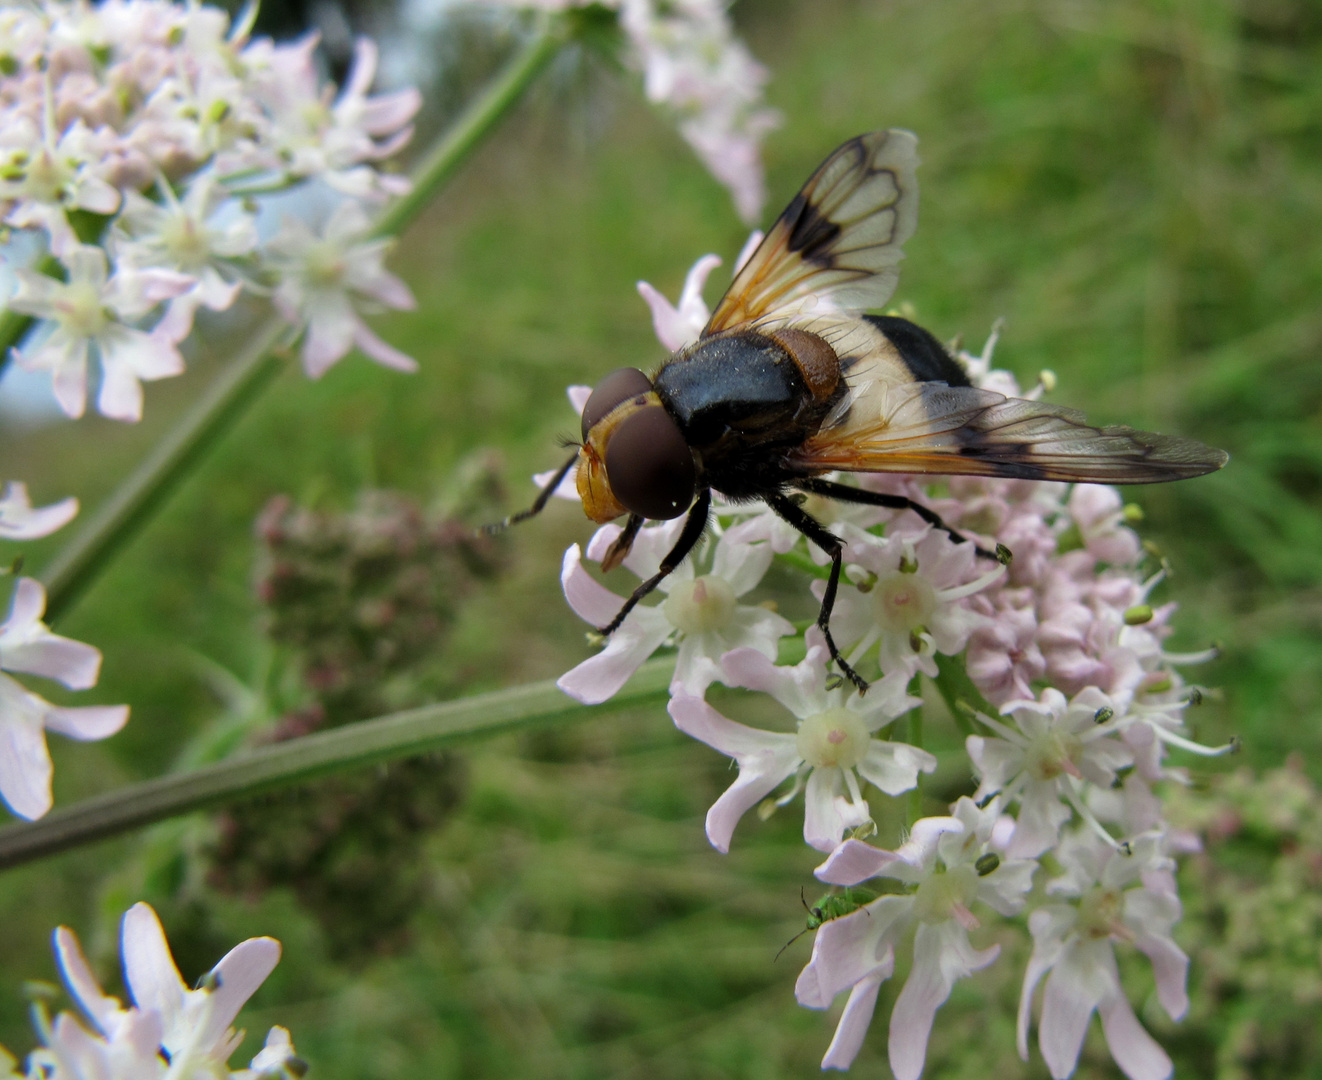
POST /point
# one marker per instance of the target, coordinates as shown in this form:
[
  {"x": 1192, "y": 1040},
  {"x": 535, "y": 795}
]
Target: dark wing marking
[
  {"x": 837, "y": 246},
  {"x": 960, "y": 430}
]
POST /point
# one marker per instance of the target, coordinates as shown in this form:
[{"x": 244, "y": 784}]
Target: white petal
[
  {"x": 149, "y": 969},
  {"x": 854, "y": 862},
  {"x": 87, "y": 723},
  {"x": 942, "y": 955},
  {"x": 25, "y": 765},
  {"x": 100, "y": 1007},
  {"x": 238, "y": 975},
  {"x": 854, "y": 1022},
  {"x": 1135, "y": 1051}
]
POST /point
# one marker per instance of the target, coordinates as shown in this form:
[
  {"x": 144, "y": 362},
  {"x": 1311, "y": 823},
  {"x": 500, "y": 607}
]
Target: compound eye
[
  {"x": 650, "y": 466},
  {"x": 617, "y": 387}
]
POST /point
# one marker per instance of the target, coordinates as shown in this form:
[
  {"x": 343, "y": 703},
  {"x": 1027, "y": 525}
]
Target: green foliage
[{"x": 1136, "y": 187}]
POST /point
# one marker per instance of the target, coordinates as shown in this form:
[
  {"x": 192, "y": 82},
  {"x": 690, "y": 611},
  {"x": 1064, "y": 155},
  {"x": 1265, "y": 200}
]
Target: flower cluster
[
  {"x": 28, "y": 647},
  {"x": 695, "y": 68},
  {"x": 137, "y": 137},
  {"x": 1057, "y": 667},
  {"x": 169, "y": 1032}
]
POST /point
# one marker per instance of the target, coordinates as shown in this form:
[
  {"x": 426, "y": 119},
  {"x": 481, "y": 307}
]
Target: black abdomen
[{"x": 924, "y": 356}]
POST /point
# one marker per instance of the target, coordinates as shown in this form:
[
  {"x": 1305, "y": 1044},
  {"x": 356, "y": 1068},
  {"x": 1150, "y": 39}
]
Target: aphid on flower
[{"x": 790, "y": 380}]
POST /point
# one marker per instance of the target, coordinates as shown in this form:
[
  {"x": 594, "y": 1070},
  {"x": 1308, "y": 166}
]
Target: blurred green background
[{"x": 1134, "y": 186}]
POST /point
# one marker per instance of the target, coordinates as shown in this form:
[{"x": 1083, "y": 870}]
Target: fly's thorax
[{"x": 634, "y": 459}]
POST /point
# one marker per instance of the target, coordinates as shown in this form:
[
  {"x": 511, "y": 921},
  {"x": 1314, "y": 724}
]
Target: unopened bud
[
  {"x": 987, "y": 864},
  {"x": 1138, "y": 615}
]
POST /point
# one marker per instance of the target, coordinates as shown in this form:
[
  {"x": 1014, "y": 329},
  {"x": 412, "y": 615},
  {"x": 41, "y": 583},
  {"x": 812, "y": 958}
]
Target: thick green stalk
[
  {"x": 916, "y": 739},
  {"x": 354, "y": 746},
  {"x": 136, "y": 500},
  {"x": 475, "y": 124}
]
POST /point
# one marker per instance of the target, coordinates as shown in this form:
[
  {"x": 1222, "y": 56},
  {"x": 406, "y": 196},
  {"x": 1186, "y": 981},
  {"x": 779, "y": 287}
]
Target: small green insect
[{"x": 829, "y": 907}]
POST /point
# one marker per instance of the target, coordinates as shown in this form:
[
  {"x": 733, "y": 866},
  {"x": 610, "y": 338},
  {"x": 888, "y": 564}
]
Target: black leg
[
  {"x": 832, "y": 545},
  {"x": 688, "y": 538},
  {"x": 619, "y": 550},
  {"x": 844, "y": 493},
  {"x": 543, "y": 497}
]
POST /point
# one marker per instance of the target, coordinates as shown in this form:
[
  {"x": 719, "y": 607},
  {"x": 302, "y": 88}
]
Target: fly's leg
[
  {"x": 834, "y": 547},
  {"x": 539, "y": 504},
  {"x": 688, "y": 539},
  {"x": 844, "y": 493},
  {"x": 619, "y": 551}
]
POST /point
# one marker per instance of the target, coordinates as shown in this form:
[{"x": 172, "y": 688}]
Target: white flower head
[
  {"x": 326, "y": 279},
  {"x": 946, "y": 866},
  {"x": 191, "y": 1028},
  {"x": 908, "y": 598},
  {"x": 700, "y": 611},
  {"x": 1120, "y": 895},
  {"x": 830, "y": 754},
  {"x": 1044, "y": 761},
  {"x": 95, "y": 309}
]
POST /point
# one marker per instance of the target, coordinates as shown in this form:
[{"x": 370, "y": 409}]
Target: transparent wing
[
  {"x": 960, "y": 430},
  {"x": 837, "y": 246}
]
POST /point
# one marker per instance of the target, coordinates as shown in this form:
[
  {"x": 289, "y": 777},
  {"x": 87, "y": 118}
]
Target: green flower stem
[
  {"x": 475, "y": 124},
  {"x": 916, "y": 739},
  {"x": 133, "y": 504},
  {"x": 354, "y": 746}
]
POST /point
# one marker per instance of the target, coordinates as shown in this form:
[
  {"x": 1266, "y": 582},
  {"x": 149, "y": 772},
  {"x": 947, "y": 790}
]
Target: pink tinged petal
[
  {"x": 383, "y": 353},
  {"x": 1134, "y": 1050},
  {"x": 578, "y": 398},
  {"x": 765, "y": 760},
  {"x": 591, "y": 601},
  {"x": 149, "y": 969},
  {"x": 19, "y": 521},
  {"x": 996, "y": 760},
  {"x": 330, "y": 334},
  {"x": 852, "y": 947},
  {"x": 598, "y": 677},
  {"x": 854, "y": 862},
  {"x": 1170, "y": 965},
  {"x": 942, "y": 955},
  {"x": 854, "y": 1022},
  {"x": 669, "y": 325},
  {"x": 238, "y": 975},
  {"x": 1041, "y": 814},
  {"x": 825, "y": 819},
  {"x": 25, "y": 765},
  {"x": 102, "y": 1009},
  {"x": 66, "y": 358},
  {"x": 1074, "y": 989},
  {"x": 894, "y": 767},
  {"x": 87, "y": 723}
]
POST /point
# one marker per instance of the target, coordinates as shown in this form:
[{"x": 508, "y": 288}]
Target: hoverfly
[{"x": 790, "y": 381}]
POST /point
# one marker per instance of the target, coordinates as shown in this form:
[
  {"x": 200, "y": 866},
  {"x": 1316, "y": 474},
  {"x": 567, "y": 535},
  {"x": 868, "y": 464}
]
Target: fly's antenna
[{"x": 539, "y": 504}]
